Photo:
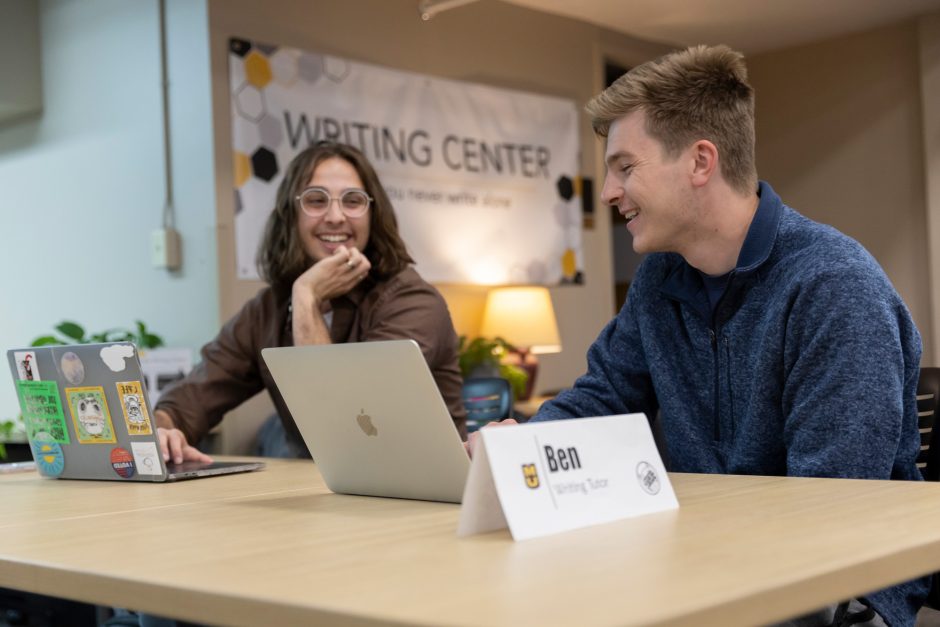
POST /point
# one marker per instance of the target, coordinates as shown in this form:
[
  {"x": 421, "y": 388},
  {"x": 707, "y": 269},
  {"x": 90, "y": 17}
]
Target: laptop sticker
[
  {"x": 90, "y": 415},
  {"x": 134, "y": 408},
  {"x": 113, "y": 356},
  {"x": 72, "y": 368},
  {"x": 42, "y": 411},
  {"x": 147, "y": 458},
  {"x": 122, "y": 462},
  {"x": 26, "y": 365},
  {"x": 48, "y": 456}
]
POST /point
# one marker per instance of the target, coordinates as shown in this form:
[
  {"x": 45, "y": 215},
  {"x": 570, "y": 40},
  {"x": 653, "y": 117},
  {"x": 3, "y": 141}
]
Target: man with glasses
[{"x": 337, "y": 271}]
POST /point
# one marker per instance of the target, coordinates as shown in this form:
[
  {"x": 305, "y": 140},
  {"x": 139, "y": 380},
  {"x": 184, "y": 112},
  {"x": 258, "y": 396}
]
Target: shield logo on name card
[{"x": 531, "y": 475}]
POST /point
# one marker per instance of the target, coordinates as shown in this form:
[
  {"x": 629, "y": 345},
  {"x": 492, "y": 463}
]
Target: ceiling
[{"x": 750, "y": 26}]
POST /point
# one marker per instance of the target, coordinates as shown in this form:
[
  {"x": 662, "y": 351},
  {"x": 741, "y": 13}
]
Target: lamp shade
[{"x": 523, "y": 316}]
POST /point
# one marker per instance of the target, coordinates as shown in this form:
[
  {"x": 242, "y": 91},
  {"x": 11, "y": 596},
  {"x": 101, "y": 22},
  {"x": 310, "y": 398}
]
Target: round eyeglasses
[{"x": 316, "y": 201}]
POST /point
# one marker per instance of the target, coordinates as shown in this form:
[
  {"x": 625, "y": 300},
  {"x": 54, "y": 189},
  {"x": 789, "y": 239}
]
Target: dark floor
[
  {"x": 17, "y": 610},
  {"x": 32, "y": 610}
]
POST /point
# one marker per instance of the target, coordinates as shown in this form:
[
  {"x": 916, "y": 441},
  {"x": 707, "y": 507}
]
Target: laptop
[
  {"x": 87, "y": 416},
  {"x": 373, "y": 419}
]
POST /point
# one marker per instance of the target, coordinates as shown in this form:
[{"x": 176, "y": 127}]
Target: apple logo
[{"x": 365, "y": 423}]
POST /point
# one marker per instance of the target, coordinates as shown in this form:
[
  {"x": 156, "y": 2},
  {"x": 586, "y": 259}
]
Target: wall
[
  {"x": 486, "y": 42},
  {"x": 840, "y": 137},
  {"x": 928, "y": 35},
  {"x": 83, "y": 182}
]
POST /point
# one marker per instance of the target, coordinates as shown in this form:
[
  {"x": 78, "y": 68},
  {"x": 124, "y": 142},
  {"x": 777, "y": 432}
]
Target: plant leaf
[
  {"x": 150, "y": 340},
  {"x": 120, "y": 335},
  {"x": 46, "y": 340},
  {"x": 71, "y": 330},
  {"x": 516, "y": 376}
]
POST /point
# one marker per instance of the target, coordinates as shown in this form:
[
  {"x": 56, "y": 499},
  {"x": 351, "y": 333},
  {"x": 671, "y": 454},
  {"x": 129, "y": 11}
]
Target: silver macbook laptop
[
  {"x": 373, "y": 419},
  {"x": 87, "y": 416}
]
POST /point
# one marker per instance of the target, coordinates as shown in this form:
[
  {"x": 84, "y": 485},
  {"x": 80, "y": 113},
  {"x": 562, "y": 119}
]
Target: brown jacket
[{"x": 232, "y": 370}]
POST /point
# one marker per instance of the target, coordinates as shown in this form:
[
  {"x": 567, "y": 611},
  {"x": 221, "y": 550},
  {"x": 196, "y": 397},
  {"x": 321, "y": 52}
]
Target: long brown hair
[{"x": 281, "y": 256}]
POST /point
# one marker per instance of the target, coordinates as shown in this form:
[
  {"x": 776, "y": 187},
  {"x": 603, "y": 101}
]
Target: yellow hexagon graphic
[
  {"x": 568, "y": 264},
  {"x": 242, "y": 168},
  {"x": 257, "y": 69}
]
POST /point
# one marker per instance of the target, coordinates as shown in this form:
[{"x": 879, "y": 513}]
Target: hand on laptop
[
  {"x": 173, "y": 442},
  {"x": 471, "y": 442}
]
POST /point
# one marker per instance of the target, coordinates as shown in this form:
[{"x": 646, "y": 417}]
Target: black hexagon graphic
[
  {"x": 577, "y": 279},
  {"x": 565, "y": 187},
  {"x": 240, "y": 47},
  {"x": 264, "y": 164}
]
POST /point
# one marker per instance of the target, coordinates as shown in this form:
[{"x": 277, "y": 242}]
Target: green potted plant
[
  {"x": 482, "y": 357},
  {"x": 13, "y": 446},
  {"x": 74, "y": 333}
]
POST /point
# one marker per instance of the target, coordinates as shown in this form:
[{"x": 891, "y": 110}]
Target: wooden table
[{"x": 276, "y": 547}]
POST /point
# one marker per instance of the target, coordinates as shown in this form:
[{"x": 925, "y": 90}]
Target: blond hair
[{"x": 697, "y": 93}]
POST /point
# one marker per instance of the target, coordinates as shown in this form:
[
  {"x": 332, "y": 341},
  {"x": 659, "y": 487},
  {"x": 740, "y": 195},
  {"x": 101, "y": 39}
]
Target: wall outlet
[{"x": 165, "y": 249}]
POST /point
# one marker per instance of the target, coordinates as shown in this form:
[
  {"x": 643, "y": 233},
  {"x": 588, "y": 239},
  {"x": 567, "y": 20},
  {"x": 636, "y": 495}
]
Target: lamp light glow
[{"x": 524, "y": 317}]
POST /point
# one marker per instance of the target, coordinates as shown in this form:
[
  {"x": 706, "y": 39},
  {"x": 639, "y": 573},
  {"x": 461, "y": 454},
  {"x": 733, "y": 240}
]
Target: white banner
[{"x": 484, "y": 181}]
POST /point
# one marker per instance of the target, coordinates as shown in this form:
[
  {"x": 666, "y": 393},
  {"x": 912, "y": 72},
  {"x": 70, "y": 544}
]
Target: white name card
[{"x": 545, "y": 477}]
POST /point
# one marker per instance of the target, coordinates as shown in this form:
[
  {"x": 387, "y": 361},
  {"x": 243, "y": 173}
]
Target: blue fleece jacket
[{"x": 807, "y": 366}]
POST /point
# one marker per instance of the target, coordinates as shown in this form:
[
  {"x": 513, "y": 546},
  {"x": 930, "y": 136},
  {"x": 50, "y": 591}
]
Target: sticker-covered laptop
[{"x": 87, "y": 416}]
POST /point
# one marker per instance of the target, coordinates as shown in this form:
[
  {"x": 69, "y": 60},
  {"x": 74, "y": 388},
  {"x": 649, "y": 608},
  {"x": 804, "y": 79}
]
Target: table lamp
[{"x": 524, "y": 317}]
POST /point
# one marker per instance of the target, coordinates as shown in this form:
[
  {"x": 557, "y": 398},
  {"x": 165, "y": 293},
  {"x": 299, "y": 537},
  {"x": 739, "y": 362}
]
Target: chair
[
  {"x": 928, "y": 460},
  {"x": 486, "y": 399},
  {"x": 928, "y": 400}
]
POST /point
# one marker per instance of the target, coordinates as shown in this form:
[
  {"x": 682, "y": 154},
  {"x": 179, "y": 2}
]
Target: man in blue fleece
[{"x": 769, "y": 344}]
